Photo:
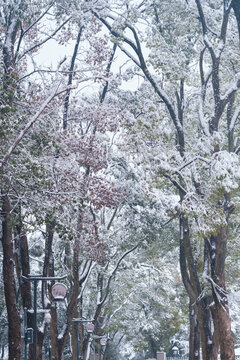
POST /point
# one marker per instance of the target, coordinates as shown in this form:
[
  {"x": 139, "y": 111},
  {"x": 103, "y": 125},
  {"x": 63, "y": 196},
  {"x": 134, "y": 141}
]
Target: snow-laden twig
[
  {"x": 46, "y": 39},
  {"x": 36, "y": 259},
  {"x": 233, "y": 88},
  {"x": 115, "y": 270},
  {"x": 221, "y": 294},
  {"x": 23, "y": 32},
  {"x": 120, "y": 307},
  {"x": 193, "y": 160},
  {"x": 234, "y": 118},
  {"x": 30, "y": 123},
  {"x": 200, "y": 296},
  {"x": 152, "y": 267},
  {"x": 203, "y": 123},
  {"x": 86, "y": 280},
  {"x": 129, "y": 55},
  {"x": 176, "y": 184},
  {"x": 35, "y": 117}
]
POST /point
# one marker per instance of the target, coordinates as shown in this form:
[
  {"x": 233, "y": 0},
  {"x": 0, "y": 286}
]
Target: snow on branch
[
  {"x": 120, "y": 307},
  {"x": 47, "y": 38},
  {"x": 234, "y": 118},
  {"x": 130, "y": 56},
  {"x": 203, "y": 123},
  {"x": 23, "y": 32},
  {"x": 221, "y": 294},
  {"x": 85, "y": 276},
  {"x": 30, "y": 123},
  {"x": 233, "y": 88},
  {"x": 57, "y": 91},
  {"x": 136, "y": 47},
  {"x": 115, "y": 270},
  {"x": 152, "y": 267},
  {"x": 176, "y": 184},
  {"x": 193, "y": 160}
]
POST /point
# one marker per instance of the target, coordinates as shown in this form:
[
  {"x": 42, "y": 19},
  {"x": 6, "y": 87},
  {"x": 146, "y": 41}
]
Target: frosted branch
[
  {"x": 30, "y": 124},
  {"x": 129, "y": 55},
  {"x": 193, "y": 160},
  {"x": 234, "y": 118},
  {"x": 235, "y": 86}
]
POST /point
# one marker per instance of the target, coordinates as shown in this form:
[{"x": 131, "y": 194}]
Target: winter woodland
[{"x": 120, "y": 169}]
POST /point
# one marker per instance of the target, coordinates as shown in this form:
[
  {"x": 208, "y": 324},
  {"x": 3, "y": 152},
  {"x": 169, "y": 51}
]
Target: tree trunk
[
  {"x": 222, "y": 318},
  {"x": 194, "y": 347},
  {"x": 14, "y": 320},
  {"x": 192, "y": 284},
  {"x": 215, "y": 335},
  {"x": 194, "y": 333}
]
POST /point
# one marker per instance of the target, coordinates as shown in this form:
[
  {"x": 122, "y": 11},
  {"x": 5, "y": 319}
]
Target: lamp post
[
  {"x": 35, "y": 279},
  {"x": 89, "y": 328}
]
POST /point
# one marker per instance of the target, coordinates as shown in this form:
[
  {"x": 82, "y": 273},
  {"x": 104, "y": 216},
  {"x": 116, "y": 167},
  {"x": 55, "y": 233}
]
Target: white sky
[{"x": 52, "y": 53}]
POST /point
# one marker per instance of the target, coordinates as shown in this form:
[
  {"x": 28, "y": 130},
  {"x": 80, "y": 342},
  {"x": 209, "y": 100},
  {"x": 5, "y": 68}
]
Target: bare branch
[
  {"x": 115, "y": 270},
  {"x": 193, "y": 160},
  {"x": 46, "y": 39},
  {"x": 70, "y": 78},
  {"x": 23, "y": 32}
]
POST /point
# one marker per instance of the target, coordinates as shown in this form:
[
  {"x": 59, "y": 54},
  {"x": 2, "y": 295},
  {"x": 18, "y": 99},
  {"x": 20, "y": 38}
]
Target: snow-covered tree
[{"x": 190, "y": 141}]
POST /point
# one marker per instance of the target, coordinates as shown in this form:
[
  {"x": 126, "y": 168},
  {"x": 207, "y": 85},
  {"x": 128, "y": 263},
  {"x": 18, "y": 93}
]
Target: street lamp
[
  {"x": 175, "y": 351},
  {"x": 35, "y": 279},
  {"x": 89, "y": 328},
  {"x": 103, "y": 341}
]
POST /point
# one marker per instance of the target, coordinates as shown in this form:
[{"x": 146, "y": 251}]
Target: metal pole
[
  {"x": 35, "y": 319},
  {"x": 78, "y": 343},
  {"x": 25, "y": 328},
  {"x": 35, "y": 279}
]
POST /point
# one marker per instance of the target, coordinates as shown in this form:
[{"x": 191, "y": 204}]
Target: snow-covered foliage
[{"x": 105, "y": 185}]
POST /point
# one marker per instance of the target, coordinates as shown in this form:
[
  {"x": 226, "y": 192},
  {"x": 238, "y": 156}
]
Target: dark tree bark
[
  {"x": 194, "y": 333},
  {"x": 14, "y": 320},
  {"x": 221, "y": 317},
  {"x": 236, "y": 8}
]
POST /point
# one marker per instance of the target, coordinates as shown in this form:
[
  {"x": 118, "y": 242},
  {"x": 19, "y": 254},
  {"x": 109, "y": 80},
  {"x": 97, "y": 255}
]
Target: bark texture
[{"x": 14, "y": 320}]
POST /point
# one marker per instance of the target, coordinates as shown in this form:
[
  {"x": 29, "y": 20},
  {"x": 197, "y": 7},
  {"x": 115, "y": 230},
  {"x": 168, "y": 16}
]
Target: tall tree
[{"x": 217, "y": 92}]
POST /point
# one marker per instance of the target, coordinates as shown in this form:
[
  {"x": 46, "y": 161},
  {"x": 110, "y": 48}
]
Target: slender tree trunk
[
  {"x": 57, "y": 342},
  {"x": 194, "y": 347},
  {"x": 222, "y": 317},
  {"x": 14, "y": 320},
  {"x": 215, "y": 335},
  {"x": 23, "y": 263},
  {"x": 54, "y": 333},
  {"x": 194, "y": 333}
]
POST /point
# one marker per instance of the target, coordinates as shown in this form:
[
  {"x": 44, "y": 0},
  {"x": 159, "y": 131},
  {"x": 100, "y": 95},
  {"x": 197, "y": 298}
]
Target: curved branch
[
  {"x": 142, "y": 65},
  {"x": 23, "y": 32},
  {"x": 202, "y": 17},
  {"x": 115, "y": 270},
  {"x": 46, "y": 39}
]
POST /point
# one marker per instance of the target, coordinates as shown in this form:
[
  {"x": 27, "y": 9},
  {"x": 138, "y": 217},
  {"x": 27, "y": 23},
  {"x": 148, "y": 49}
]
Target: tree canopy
[{"x": 119, "y": 167}]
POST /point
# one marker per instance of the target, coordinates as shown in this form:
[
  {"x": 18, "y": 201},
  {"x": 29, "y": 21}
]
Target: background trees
[{"x": 112, "y": 186}]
